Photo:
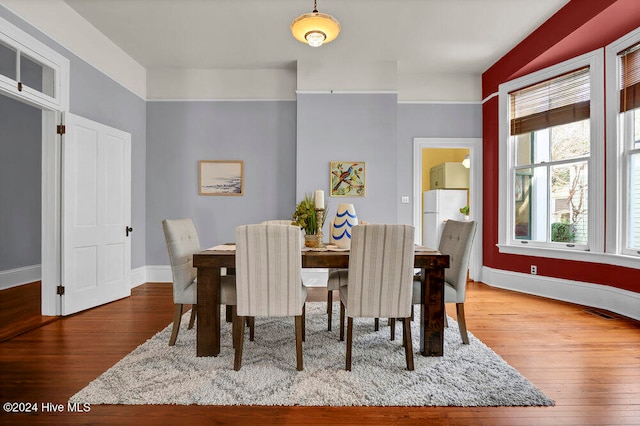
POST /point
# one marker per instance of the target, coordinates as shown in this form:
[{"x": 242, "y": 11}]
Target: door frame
[
  {"x": 474, "y": 145},
  {"x": 52, "y": 109},
  {"x": 51, "y": 245}
]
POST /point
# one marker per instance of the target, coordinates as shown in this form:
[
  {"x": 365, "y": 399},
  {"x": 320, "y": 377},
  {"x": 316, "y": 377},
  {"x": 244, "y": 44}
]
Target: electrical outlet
[
  {"x": 405, "y": 200},
  {"x": 534, "y": 270}
]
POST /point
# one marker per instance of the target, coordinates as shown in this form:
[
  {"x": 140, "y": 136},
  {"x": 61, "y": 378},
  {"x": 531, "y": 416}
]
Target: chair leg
[
  {"x": 228, "y": 316},
  {"x": 392, "y": 324},
  {"x": 239, "y": 329},
  {"x": 341, "y": 321},
  {"x": 446, "y": 321},
  {"x": 408, "y": 345},
  {"x": 177, "y": 315},
  {"x": 234, "y": 325},
  {"x": 329, "y": 308},
  {"x": 462, "y": 324},
  {"x": 304, "y": 321},
  {"x": 376, "y": 324},
  {"x": 299, "y": 339},
  {"x": 251, "y": 322},
  {"x": 194, "y": 314},
  {"x": 349, "y": 343}
]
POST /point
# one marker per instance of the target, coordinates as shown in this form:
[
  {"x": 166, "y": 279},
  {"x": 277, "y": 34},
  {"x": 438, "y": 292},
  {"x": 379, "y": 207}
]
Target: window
[
  {"x": 30, "y": 71},
  {"x": 623, "y": 100},
  {"x": 549, "y": 188}
]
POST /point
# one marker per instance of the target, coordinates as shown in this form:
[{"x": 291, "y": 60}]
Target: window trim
[
  {"x": 616, "y": 169},
  {"x": 506, "y": 243}
]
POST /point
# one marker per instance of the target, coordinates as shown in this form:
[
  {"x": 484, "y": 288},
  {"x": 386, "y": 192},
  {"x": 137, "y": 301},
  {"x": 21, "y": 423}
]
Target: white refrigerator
[{"x": 440, "y": 205}]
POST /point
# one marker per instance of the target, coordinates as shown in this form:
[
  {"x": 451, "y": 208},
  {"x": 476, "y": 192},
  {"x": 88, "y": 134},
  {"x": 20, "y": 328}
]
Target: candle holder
[{"x": 320, "y": 221}]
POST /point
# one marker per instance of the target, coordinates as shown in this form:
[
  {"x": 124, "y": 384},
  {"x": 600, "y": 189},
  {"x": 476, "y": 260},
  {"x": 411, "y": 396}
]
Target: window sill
[{"x": 575, "y": 255}]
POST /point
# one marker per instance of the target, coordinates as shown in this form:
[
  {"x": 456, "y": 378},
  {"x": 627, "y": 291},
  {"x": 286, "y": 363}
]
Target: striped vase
[{"x": 345, "y": 220}]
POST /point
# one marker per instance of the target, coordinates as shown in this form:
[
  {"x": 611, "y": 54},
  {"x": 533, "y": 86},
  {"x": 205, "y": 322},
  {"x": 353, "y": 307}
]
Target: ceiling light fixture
[
  {"x": 466, "y": 162},
  {"x": 315, "y": 28}
]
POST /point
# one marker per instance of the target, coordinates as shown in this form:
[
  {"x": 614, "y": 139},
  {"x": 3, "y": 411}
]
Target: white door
[{"x": 96, "y": 214}]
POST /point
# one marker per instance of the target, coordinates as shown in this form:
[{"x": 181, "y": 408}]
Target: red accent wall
[{"x": 579, "y": 27}]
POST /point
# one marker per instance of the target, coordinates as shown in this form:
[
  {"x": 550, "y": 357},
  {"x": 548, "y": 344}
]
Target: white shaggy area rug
[{"x": 467, "y": 375}]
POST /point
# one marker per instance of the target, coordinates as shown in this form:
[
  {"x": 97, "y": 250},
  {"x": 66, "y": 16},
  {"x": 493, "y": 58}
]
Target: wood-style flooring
[{"x": 589, "y": 364}]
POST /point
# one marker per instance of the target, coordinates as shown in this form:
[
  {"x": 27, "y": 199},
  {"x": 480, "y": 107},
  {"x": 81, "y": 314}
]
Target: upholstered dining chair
[
  {"x": 269, "y": 280},
  {"x": 182, "y": 242},
  {"x": 456, "y": 241},
  {"x": 337, "y": 278},
  {"x": 379, "y": 281},
  {"x": 284, "y": 222}
]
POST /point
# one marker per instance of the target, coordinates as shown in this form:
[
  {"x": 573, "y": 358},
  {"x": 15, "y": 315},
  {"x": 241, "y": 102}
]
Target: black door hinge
[
  {"x": 61, "y": 129},
  {"x": 60, "y": 290}
]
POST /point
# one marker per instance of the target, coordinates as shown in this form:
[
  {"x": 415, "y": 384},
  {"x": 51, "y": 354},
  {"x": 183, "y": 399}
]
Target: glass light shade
[
  {"x": 315, "y": 38},
  {"x": 308, "y": 27},
  {"x": 466, "y": 162}
]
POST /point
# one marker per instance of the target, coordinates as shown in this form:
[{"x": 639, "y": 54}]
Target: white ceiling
[{"x": 423, "y": 36}]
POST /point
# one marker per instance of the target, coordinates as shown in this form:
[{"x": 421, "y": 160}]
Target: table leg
[
  {"x": 208, "y": 327},
  {"x": 432, "y": 312}
]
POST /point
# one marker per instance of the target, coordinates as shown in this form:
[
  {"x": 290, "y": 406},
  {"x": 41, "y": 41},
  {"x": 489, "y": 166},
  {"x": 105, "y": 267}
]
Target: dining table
[{"x": 210, "y": 264}]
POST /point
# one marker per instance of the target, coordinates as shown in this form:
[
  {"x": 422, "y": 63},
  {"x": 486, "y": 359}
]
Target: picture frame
[
  {"x": 221, "y": 177},
  {"x": 347, "y": 179}
]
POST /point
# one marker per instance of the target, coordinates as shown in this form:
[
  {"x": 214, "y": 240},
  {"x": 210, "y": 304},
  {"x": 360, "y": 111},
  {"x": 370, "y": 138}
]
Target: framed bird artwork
[{"x": 348, "y": 179}]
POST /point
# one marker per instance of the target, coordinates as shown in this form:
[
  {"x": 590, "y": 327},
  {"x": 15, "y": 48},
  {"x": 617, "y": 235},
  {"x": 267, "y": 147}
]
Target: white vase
[{"x": 345, "y": 220}]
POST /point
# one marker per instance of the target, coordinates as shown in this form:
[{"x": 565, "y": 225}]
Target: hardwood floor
[{"x": 590, "y": 366}]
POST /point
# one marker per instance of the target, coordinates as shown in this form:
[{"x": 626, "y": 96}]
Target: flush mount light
[
  {"x": 315, "y": 28},
  {"x": 466, "y": 161}
]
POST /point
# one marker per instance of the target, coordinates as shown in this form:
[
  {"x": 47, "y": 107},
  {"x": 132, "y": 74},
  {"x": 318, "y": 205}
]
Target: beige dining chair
[
  {"x": 379, "y": 281},
  {"x": 456, "y": 241},
  {"x": 337, "y": 278},
  {"x": 182, "y": 242},
  {"x": 269, "y": 280},
  {"x": 284, "y": 222}
]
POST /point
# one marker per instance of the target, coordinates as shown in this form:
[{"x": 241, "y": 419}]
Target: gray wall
[
  {"x": 262, "y": 133},
  {"x": 97, "y": 97},
  {"x": 20, "y": 184},
  {"x": 349, "y": 127}
]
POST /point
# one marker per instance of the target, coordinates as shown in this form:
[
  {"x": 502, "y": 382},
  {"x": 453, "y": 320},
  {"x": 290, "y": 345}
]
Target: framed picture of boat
[{"x": 221, "y": 177}]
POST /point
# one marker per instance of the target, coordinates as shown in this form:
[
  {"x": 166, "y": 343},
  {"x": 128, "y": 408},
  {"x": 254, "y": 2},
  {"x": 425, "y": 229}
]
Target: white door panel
[{"x": 96, "y": 184}]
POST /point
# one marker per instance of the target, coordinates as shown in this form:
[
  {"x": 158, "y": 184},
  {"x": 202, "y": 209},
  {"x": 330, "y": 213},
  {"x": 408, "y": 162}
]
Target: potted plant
[
  {"x": 465, "y": 211},
  {"x": 305, "y": 217}
]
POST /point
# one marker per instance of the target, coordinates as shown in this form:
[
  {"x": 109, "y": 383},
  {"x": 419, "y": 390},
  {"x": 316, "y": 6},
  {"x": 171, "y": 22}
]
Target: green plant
[
  {"x": 305, "y": 215},
  {"x": 464, "y": 210},
  {"x": 562, "y": 232}
]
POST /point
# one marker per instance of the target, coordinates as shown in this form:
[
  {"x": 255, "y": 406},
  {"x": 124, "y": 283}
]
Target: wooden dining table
[{"x": 210, "y": 263}]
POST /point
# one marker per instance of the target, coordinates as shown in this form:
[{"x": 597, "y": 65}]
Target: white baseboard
[
  {"x": 19, "y": 276},
  {"x": 623, "y": 302},
  {"x": 159, "y": 274},
  {"x": 138, "y": 276}
]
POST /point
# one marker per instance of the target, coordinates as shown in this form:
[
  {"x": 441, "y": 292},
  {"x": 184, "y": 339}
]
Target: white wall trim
[
  {"x": 221, "y": 100},
  {"x": 599, "y": 296},
  {"x": 346, "y": 92},
  {"x": 138, "y": 276},
  {"x": 19, "y": 276},
  {"x": 158, "y": 274},
  {"x": 441, "y": 102}
]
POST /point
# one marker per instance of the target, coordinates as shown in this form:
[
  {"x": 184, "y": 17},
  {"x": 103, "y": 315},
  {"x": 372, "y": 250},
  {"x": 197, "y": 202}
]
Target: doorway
[{"x": 444, "y": 149}]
